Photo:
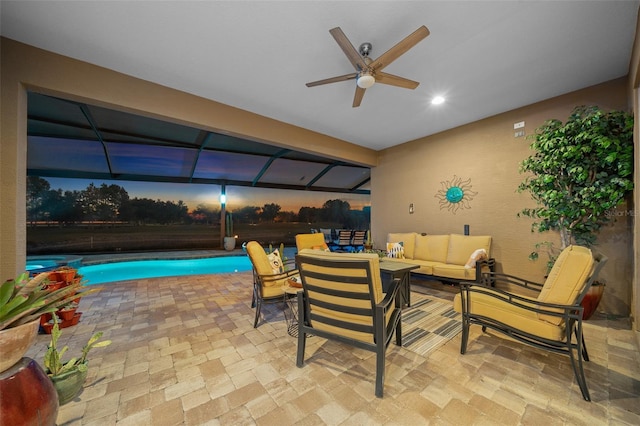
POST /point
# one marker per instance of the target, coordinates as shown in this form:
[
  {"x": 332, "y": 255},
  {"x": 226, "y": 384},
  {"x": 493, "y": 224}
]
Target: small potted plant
[
  {"x": 230, "y": 238},
  {"x": 368, "y": 243},
  {"x": 22, "y": 302},
  {"x": 66, "y": 312},
  {"x": 66, "y": 273},
  {"x": 68, "y": 377}
]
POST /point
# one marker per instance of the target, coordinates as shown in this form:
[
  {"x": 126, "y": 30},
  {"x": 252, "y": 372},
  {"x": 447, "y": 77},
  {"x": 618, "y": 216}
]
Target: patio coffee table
[{"x": 400, "y": 270}]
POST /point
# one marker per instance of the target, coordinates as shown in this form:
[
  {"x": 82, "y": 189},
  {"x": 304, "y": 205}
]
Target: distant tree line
[{"x": 111, "y": 203}]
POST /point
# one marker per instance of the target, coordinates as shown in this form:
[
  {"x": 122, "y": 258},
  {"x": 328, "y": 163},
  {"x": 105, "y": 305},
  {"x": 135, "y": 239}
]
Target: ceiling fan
[{"x": 369, "y": 71}]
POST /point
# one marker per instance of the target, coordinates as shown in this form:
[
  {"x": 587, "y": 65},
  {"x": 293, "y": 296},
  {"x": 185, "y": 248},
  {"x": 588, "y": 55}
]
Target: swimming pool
[
  {"x": 37, "y": 264},
  {"x": 138, "y": 269}
]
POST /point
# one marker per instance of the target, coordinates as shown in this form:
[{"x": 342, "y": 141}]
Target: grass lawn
[{"x": 128, "y": 238}]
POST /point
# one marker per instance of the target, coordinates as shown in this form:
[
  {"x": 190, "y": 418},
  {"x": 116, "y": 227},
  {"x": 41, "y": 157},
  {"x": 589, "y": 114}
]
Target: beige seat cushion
[
  {"x": 455, "y": 272},
  {"x": 511, "y": 315},
  {"x": 462, "y": 246}
]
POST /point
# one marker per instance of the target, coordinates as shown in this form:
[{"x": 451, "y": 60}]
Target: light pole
[{"x": 223, "y": 213}]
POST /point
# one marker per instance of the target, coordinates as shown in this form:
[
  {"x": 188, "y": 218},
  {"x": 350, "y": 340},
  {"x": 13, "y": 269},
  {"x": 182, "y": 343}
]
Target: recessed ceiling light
[{"x": 437, "y": 100}]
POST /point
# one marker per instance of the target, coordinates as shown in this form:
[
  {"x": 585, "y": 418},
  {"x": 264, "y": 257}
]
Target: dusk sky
[{"x": 194, "y": 194}]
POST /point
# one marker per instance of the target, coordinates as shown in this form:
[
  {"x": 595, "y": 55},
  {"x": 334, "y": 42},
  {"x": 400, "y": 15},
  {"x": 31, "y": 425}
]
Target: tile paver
[{"x": 184, "y": 352}]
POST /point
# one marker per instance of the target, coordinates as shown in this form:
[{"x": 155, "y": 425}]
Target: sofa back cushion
[
  {"x": 407, "y": 239},
  {"x": 431, "y": 247},
  {"x": 462, "y": 246}
]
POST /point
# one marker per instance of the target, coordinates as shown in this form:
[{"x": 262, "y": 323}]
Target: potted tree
[
  {"x": 68, "y": 377},
  {"x": 579, "y": 172},
  {"x": 229, "y": 238}
]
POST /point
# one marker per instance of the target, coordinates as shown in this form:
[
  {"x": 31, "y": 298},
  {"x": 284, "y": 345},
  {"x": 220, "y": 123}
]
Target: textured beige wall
[{"x": 487, "y": 153}]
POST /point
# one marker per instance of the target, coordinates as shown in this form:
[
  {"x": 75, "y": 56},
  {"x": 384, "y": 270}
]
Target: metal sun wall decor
[{"x": 455, "y": 194}]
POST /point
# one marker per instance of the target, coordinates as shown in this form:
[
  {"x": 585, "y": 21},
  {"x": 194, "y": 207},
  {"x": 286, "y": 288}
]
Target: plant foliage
[
  {"x": 579, "y": 172},
  {"x": 25, "y": 299},
  {"x": 53, "y": 357}
]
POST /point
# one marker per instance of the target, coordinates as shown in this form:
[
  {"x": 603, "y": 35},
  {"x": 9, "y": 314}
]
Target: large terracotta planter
[
  {"x": 27, "y": 395},
  {"x": 15, "y": 341},
  {"x": 69, "y": 384}
]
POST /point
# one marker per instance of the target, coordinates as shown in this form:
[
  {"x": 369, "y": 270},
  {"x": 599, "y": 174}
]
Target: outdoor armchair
[
  {"x": 344, "y": 241},
  {"x": 549, "y": 321},
  {"x": 357, "y": 242},
  {"x": 342, "y": 299},
  {"x": 311, "y": 241},
  {"x": 269, "y": 278}
]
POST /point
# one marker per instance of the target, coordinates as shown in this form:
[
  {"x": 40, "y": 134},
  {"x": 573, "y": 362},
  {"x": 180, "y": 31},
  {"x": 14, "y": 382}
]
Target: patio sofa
[{"x": 448, "y": 257}]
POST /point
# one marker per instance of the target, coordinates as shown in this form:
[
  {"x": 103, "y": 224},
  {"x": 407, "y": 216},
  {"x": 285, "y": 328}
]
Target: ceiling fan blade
[
  {"x": 354, "y": 56},
  {"x": 394, "y": 53},
  {"x": 357, "y": 98},
  {"x": 394, "y": 80},
  {"x": 333, "y": 79}
]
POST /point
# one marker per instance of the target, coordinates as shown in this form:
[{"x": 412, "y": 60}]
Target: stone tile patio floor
[{"x": 185, "y": 352}]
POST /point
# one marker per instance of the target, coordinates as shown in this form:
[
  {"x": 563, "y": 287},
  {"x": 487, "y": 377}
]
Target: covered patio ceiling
[{"x": 70, "y": 139}]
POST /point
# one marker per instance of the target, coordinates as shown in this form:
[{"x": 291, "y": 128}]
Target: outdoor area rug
[{"x": 428, "y": 324}]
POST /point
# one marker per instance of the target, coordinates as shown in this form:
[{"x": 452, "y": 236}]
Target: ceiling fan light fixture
[{"x": 365, "y": 80}]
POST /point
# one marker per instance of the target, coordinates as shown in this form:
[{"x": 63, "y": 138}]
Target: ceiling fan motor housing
[{"x": 365, "y": 49}]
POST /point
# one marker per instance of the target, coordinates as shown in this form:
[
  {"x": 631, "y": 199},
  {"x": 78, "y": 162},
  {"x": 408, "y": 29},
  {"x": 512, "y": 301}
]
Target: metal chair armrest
[
  {"x": 551, "y": 309},
  {"x": 391, "y": 295},
  {"x": 491, "y": 278}
]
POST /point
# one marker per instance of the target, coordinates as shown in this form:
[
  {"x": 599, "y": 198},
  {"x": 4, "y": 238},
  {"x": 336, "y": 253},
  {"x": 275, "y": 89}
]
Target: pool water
[
  {"x": 41, "y": 265},
  {"x": 38, "y": 264},
  {"x": 138, "y": 269}
]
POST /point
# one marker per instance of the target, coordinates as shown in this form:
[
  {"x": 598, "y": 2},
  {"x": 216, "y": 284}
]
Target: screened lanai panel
[
  {"x": 283, "y": 171},
  {"x": 54, "y": 110},
  {"x": 149, "y": 160},
  {"x": 229, "y": 166},
  {"x": 344, "y": 177},
  {"x": 228, "y": 143},
  {"x": 61, "y": 130},
  {"x": 65, "y": 154},
  {"x": 119, "y": 126},
  {"x": 86, "y": 141}
]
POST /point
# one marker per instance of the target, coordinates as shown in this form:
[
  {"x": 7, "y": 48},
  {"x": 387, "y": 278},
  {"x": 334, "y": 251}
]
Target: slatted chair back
[
  {"x": 358, "y": 240},
  {"x": 344, "y": 239},
  {"x": 342, "y": 299}
]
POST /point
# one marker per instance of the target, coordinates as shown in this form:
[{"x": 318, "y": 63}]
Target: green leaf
[
  {"x": 578, "y": 170},
  {"x": 6, "y": 291}
]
